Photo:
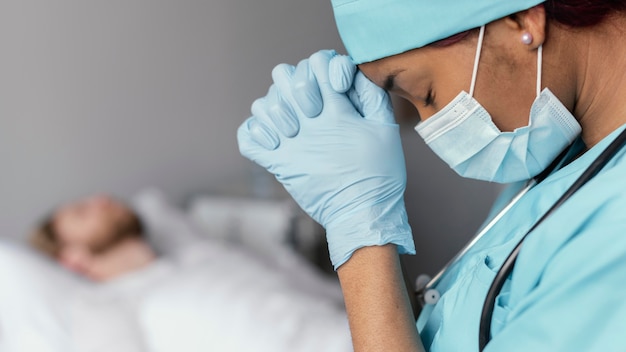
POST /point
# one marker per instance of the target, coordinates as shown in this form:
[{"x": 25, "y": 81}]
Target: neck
[{"x": 600, "y": 97}]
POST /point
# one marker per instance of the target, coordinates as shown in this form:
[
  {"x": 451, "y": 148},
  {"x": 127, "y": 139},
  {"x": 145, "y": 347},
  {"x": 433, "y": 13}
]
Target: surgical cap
[{"x": 374, "y": 29}]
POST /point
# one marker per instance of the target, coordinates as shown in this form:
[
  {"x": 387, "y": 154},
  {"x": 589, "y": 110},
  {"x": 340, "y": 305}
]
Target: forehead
[
  {"x": 64, "y": 216},
  {"x": 69, "y": 210},
  {"x": 63, "y": 222},
  {"x": 89, "y": 221},
  {"x": 383, "y": 71},
  {"x": 422, "y": 62},
  {"x": 65, "y": 211},
  {"x": 89, "y": 209}
]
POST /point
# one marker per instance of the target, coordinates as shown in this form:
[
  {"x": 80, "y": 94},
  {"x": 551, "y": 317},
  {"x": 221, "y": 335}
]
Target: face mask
[{"x": 464, "y": 135}]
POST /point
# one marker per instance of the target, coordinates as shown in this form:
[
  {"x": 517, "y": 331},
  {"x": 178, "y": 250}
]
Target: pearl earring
[{"x": 527, "y": 38}]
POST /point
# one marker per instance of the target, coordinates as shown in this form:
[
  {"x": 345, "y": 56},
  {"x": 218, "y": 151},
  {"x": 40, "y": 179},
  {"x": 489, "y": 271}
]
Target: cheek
[
  {"x": 445, "y": 88},
  {"x": 423, "y": 111},
  {"x": 442, "y": 99},
  {"x": 451, "y": 76},
  {"x": 508, "y": 105}
]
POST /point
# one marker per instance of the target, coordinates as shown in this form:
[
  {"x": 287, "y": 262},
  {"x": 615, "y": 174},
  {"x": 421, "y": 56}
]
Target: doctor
[{"x": 506, "y": 90}]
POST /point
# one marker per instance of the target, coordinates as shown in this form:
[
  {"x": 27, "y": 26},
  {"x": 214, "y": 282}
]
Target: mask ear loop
[
  {"x": 539, "y": 68},
  {"x": 479, "y": 46}
]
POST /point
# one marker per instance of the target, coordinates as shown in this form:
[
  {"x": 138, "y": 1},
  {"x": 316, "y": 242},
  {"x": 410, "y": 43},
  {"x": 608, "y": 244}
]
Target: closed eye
[
  {"x": 429, "y": 100},
  {"x": 390, "y": 82}
]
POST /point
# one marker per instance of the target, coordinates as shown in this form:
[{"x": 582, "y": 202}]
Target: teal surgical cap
[{"x": 374, "y": 29}]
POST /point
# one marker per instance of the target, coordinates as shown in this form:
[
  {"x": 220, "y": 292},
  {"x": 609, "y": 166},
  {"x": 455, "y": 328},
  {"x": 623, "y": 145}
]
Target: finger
[
  {"x": 305, "y": 90},
  {"x": 356, "y": 101},
  {"x": 282, "y": 105},
  {"x": 282, "y": 75},
  {"x": 261, "y": 127},
  {"x": 248, "y": 147},
  {"x": 320, "y": 63},
  {"x": 281, "y": 113},
  {"x": 373, "y": 102},
  {"x": 341, "y": 73}
]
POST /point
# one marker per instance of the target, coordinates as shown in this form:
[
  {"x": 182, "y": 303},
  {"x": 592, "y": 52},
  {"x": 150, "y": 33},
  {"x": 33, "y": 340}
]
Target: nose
[{"x": 76, "y": 259}]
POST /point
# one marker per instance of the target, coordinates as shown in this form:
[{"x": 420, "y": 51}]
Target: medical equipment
[
  {"x": 464, "y": 135},
  {"x": 427, "y": 294}
]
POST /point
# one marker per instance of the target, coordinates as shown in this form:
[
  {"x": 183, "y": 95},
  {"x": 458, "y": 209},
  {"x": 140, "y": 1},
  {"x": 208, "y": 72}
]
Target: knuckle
[
  {"x": 320, "y": 57},
  {"x": 258, "y": 105},
  {"x": 282, "y": 71}
]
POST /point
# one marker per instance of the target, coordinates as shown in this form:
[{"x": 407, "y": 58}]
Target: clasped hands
[{"x": 328, "y": 134}]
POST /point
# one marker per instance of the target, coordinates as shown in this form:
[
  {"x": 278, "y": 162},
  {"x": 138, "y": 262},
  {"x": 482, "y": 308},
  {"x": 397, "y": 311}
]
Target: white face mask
[{"x": 464, "y": 135}]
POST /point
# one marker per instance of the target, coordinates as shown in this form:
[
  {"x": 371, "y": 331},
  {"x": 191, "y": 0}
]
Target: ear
[{"x": 531, "y": 21}]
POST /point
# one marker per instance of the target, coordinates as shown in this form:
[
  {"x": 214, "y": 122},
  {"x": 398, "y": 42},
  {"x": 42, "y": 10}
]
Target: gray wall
[
  {"x": 118, "y": 95},
  {"x": 445, "y": 210}
]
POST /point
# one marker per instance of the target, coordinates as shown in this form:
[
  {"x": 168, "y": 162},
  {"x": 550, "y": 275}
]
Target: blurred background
[{"x": 115, "y": 96}]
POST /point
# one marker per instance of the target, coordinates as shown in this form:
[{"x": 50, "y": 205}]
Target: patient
[
  {"x": 99, "y": 237},
  {"x": 199, "y": 293}
]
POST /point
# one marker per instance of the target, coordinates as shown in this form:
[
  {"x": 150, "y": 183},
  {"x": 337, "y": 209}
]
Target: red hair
[
  {"x": 452, "y": 39},
  {"x": 582, "y": 13},
  {"x": 572, "y": 13}
]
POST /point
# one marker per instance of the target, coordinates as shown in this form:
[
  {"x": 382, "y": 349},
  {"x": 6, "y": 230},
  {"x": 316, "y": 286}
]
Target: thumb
[
  {"x": 320, "y": 66},
  {"x": 373, "y": 102},
  {"x": 341, "y": 72},
  {"x": 248, "y": 146}
]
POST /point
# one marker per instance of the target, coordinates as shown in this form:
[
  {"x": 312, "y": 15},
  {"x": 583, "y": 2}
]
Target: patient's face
[{"x": 88, "y": 226}]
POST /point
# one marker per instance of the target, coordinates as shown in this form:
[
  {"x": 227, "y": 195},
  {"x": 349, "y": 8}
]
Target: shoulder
[
  {"x": 569, "y": 277},
  {"x": 584, "y": 237}
]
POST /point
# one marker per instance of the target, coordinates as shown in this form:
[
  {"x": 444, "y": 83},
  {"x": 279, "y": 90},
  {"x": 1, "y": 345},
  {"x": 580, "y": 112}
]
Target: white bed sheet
[
  {"x": 229, "y": 300},
  {"x": 202, "y": 295}
]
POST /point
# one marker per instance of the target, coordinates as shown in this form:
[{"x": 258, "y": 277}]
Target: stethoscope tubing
[
  {"x": 435, "y": 280},
  {"x": 431, "y": 283},
  {"x": 507, "y": 267}
]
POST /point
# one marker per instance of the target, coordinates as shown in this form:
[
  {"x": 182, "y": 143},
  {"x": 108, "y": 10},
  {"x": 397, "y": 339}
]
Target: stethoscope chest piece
[
  {"x": 426, "y": 295},
  {"x": 431, "y": 296}
]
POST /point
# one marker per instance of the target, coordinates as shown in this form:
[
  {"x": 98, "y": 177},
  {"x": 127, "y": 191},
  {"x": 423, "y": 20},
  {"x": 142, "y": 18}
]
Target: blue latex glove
[
  {"x": 343, "y": 166},
  {"x": 306, "y": 94}
]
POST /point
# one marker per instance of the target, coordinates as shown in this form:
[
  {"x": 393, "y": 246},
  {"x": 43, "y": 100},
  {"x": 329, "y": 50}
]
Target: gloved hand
[
  {"x": 343, "y": 166},
  {"x": 304, "y": 91}
]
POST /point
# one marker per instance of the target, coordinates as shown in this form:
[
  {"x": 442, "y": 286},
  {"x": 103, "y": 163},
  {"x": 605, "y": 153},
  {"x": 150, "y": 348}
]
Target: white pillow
[
  {"x": 35, "y": 296},
  {"x": 168, "y": 228},
  {"x": 259, "y": 224}
]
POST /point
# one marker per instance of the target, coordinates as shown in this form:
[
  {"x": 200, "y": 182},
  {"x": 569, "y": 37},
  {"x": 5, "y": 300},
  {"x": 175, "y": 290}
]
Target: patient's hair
[{"x": 45, "y": 238}]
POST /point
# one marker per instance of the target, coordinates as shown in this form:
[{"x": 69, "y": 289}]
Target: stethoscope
[{"x": 425, "y": 290}]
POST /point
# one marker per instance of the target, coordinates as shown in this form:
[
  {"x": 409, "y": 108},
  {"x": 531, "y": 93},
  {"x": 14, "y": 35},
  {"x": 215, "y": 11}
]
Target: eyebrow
[{"x": 390, "y": 80}]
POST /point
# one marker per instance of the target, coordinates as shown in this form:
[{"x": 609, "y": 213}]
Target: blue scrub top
[{"x": 567, "y": 291}]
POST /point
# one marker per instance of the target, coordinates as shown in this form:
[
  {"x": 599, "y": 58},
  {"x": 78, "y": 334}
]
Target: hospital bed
[{"x": 233, "y": 274}]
